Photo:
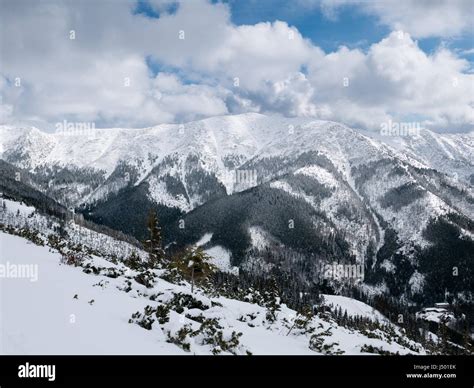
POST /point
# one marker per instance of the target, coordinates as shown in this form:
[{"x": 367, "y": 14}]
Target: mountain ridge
[{"x": 315, "y": 188}]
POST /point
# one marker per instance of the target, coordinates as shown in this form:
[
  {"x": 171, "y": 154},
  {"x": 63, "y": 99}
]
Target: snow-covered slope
[
  {"x": 353, "y": 307},
  {"x": 69, "y": 312},
  {"x": 97, "y": 307},
  {"x": 452, "y": 154},
  {"x": 43, "y": 317}
]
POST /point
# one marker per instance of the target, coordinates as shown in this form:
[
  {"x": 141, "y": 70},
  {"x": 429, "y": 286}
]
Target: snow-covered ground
[
  {"x": 66, "y": 311},
  {"x": 354, "y": 307},
  {"x": 19, "y": 215},
  {"x": 220, "y": 256},
  {"x": 97, "y": 306},
  {"x": 43, "y": 317}
]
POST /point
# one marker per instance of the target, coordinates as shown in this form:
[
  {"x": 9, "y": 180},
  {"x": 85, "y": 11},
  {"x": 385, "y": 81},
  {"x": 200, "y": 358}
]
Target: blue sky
[
  {"x": 351, "y": 26},
  {"x": 145, "y": 8}
]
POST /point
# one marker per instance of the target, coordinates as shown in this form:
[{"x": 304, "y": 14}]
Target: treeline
[{"x": 17, "y": 185}]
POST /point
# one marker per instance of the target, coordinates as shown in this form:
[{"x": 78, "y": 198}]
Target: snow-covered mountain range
[
  {"x": 222, "y": 144},
  {"x": 321, "y": 190}
]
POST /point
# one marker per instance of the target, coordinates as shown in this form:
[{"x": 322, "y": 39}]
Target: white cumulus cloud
[{"x": 127, "y": 69}]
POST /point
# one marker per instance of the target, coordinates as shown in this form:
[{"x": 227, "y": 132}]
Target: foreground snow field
[
  {"x": 43, "y": 317},
  {"x": 67, "y": 311}
]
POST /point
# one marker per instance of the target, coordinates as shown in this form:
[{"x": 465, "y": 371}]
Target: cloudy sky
[{"x": 141, "y": 63}]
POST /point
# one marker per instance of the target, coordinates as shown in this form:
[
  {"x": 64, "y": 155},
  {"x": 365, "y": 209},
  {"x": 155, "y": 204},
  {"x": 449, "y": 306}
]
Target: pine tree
[
  {"x": 443, "y": 335},
  {"x": 345, "y": 318},
  {"x": 133, "y": 261},
  {"x": 153, "y": 245},
  {"x": 466, "y": 338},
  {"x": 195, "y": 266},
  {"x": 272, "y": 299}
]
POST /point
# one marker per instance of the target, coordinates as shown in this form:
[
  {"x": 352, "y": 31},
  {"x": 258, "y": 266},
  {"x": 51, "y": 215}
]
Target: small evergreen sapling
[
  {"x": 154, "y": 244},
  {"x": 195, "y": 266}
]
